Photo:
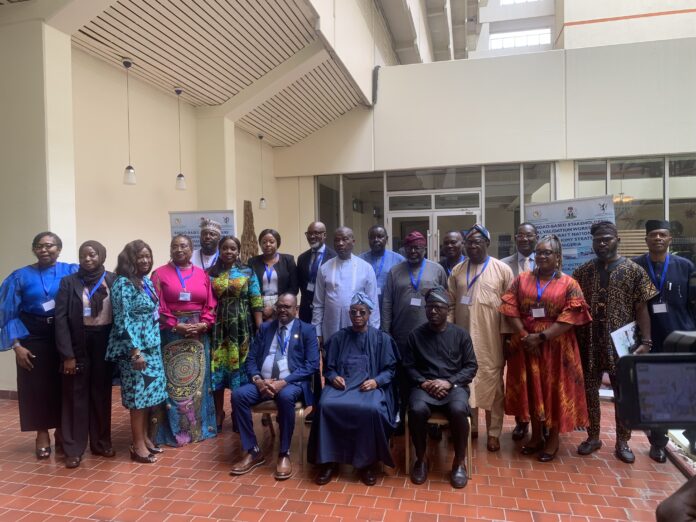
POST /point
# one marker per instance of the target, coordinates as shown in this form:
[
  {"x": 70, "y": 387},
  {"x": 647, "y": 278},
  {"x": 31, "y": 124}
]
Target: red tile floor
[{"x": 192, "y": 484}]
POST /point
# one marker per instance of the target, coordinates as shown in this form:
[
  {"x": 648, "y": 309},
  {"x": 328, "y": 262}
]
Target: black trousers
[
  {"x": 420, "y": 408},
  {"x": 87, "y": 398},
  {"x": 38, "y": 389}
]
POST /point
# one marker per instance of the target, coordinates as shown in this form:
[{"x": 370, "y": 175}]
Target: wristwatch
[{"x": 256, "y": 378}]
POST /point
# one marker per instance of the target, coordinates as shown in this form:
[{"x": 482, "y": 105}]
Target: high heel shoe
[
  {"x": 155, "y": 450},
  {"x": 531, "y": 450},
  {"x": 546, "y": 456},
  {"x": 150, "y": 459},
  {"x": 43, "y": 453}
]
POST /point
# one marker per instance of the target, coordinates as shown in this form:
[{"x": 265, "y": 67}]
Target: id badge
[
  {"x": 465, "y": 300},
  {"x": 538, "y": 313},
  {"x": 310, "y": 287},
  {"x": 416, "y": 301},
  {"x": 282, "y": 365},
  {"x": 379, "y": 291},
  {"x": 48, "y": 305},
  {"x": 184, "y": 296},
  {"x": 86, "y": 311},
  {"x": 660, "y": 308},
  {"x": 155, "y": 315}
]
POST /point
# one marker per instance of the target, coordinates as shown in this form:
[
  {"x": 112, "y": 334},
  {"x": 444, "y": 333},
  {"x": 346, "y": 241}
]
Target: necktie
[
  {"x": 315, "y": 258},
  {"x": 525, "y": 266},
  {"x": 275, "y": 373}
]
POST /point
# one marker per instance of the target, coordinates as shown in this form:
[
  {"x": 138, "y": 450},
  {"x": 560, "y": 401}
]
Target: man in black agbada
[{"x": 440, "y": 363}]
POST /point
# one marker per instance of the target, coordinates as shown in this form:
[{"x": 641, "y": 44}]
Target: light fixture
[
  {"x": 129, "y": 171},
  {"x": 262, "y": 202},
  {"x": 180, "y": 178}
]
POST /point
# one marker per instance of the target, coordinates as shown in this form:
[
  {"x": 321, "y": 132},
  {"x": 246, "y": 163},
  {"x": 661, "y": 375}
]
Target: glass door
[
  {"x": 446, "y": 222},
  {"x": 403, "y": 225}
]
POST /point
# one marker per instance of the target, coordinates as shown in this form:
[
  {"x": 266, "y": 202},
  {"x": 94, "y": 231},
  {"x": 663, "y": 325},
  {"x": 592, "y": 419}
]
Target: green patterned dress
[{"x": 238, "y": 295}]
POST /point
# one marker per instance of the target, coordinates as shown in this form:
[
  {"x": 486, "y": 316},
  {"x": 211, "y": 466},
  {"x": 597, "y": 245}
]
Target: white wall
[{"x": 108, "y": 210}]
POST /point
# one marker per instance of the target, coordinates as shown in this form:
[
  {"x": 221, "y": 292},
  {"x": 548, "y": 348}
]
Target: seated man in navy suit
[{"x": 282, "y": 359}]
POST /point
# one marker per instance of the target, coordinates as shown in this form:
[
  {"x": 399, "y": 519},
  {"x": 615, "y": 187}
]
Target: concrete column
[{"x": 36, "y": 147}]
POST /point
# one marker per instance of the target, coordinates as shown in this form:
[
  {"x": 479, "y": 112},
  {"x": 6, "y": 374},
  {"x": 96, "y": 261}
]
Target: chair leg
[
  {"x": 407, "y": 445},
  {"x": 469, "y": 456},
  {"x": 302, "y": 438}
]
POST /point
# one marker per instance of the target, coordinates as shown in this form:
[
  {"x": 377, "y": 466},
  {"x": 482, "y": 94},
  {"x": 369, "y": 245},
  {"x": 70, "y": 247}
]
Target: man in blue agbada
[{"x": 357, "y": 411}]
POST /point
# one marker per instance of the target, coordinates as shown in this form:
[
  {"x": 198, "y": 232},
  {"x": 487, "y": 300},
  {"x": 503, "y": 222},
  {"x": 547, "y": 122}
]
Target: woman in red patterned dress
[{"x": 546, "y": 384}]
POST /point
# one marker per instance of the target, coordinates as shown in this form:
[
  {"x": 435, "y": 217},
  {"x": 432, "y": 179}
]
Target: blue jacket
[{"x": 303, "y": 354}]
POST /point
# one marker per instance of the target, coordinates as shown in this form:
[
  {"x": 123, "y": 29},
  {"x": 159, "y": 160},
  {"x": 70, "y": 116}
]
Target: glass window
[
  {"x": 637, "y": 186},
  {"x": 328, "y": 189},
  {"x": 682, "y": 206},
  {"x": 537, "y": 183},
  {"x": 502, "y": 207},
  {"x": 592, "y": 178},
  {"x": 363, "y": 202},
  {"x": 530, "y": 38},
  {"x": 452, "y": 201},
  {"x": 423, "y": 202},
  {"x": 434, "y": 179}
]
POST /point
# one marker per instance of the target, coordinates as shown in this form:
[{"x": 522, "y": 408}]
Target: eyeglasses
[
  {"x": 315, "y": 234},
  {"x": 42, "y": 246},
  {"x": 283, "y": 307},
  {"x": 525, "y": 236},
  {"x": 436, "y": 308},
  {"x": 544, "y": 253},
  {"x": 358, "y": 313},
  {"x": 413, "y": 248},
  {"x": 474, "y": 242}
]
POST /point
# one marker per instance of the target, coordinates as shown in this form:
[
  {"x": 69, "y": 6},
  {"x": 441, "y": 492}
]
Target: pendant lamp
[
  {"x": 180, "y": 178},
  {"x": 129, "y": 171},
  {"x": 262, "y": 202}
]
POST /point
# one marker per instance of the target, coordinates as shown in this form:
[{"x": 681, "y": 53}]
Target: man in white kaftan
[{"x": 338, "y": 280}]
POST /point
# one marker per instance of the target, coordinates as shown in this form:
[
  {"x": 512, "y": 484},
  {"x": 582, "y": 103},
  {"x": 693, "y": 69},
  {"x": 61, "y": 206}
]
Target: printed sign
[{"x": 189, "y": 223}]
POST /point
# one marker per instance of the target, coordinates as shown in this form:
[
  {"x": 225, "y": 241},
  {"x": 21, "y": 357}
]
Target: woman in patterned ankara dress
[
  {"x": 187, "y": 313},
  {"x": 546, "y": 384},
  {"x": 134, "y": 344},
  {"x": 239, "y": 296}
]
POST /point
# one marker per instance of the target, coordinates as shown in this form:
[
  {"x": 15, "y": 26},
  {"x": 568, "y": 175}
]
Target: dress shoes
[
  {"x": 531, "y": 449},
  {"x": 658, "y": 454},
  {"x": 419, "y": 472},
  {"x": 283, "y": 468},
  {"x": 624, "y": 453},
  {"x": 325, "y": 474},
  {"x": 72, "y": 462},
  {"x": 108, "y": 453},
  {"x": 367, "y": 476},
  {"x": 249, "y": 462},
  {"x": 458, "y": 478},
  {"x": 493, "y": 444},
  {"x": 521, "y": 429},
  {"x": 589, "y": 446},
  {"x": 547, "y": 456}
]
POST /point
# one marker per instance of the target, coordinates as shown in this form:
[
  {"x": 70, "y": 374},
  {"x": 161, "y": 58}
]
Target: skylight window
[
  {"x": 532, "y": 38},
  {"x": 512, "y": 2}
]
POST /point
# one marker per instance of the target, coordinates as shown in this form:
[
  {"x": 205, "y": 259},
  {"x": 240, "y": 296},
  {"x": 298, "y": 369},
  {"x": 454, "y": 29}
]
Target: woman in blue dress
[
  {"x": 27, "y": 309},
  {"x": 134, "y": 344}
]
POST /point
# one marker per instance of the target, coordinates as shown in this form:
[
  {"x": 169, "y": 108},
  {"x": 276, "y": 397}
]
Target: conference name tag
[
  {"x": 48, "y": 305},
  {"x": 538, "y": 313},
  {"x": 660, "y": 308},
  {"x": 379, "y": 291},
  {"x": 184, "y": 296},
  {"x": 86, "y": 311},
  {"x": 282, "y": 365},
  {"x": 416, "y": 301},
  {"x": 310, "y": 287},
  {"x": 465, "y": 300},
  {"x": 155, "y": 315}
]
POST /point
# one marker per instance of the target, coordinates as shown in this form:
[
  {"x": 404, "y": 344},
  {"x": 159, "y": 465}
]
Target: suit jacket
[
  {"x": 285, "y": 268},
  {"x": 303, "y": 268},
  {"x": 511, "y": 261},
  {"x": 70, "y": 330},
  {"x": 303, "y": 354}
]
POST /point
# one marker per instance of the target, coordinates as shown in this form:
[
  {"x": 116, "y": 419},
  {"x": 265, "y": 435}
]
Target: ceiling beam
[
  {"x": 270, "y": 84},
  {"x": 65, "y": 15},
  {"x": 448, "y": 20}
]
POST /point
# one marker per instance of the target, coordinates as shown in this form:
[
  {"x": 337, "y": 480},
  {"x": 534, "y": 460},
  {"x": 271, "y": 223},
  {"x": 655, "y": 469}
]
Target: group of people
[{"x": 377, "y": 340}]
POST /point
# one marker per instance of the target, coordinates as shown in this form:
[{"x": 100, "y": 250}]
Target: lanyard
[
  {"x": 45, "y": 288},
  {"x": 540, "y": 290},
  {"x": 149, "y": 293},
  {"x": 449, "y": 268},
  {"x": 269, "y": 270},
  {"x": 378, "y": 271},
  {"x": 95, "y": 287},
  {"x": 469, "y": 284},
  {"x": 651, "y": 271},
  {"x": 211, "y": 263},
  {"x": 183, "y": 279},
  {"x": 416, "y": 284},
  {"x": 319, "y": 257},
  {"x": 283, "y": 344}
]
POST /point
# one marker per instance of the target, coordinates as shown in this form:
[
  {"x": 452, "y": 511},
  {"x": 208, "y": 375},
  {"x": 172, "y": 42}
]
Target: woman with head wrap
[
  {"x": 83, "y": 323},
  {"x": 357, "y": 411}
]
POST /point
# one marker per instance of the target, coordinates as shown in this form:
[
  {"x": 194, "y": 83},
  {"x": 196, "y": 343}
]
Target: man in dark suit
[
  {"x": 282, "y": 359},
  {"x": 308, "y": 266}
]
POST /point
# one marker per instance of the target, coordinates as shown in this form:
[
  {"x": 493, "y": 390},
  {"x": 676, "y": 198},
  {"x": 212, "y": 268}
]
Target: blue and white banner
[
  {"x": 571, "y": 220},
  {"x": 189, "y": 223}
]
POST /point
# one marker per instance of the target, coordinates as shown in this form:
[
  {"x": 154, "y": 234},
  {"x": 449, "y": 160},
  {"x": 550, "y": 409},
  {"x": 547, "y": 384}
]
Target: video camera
[{"x": 658, "y": 391}]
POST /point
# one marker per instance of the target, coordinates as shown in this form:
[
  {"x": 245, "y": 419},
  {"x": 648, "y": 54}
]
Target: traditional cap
[
  {"x": 437, "y": 294},
  {"x": 480, "y": 229},
  {"x": 415, "y": 238},
  {"x": 605, "y": 227},
  {"x": 209, "y": 224},
  {"x": 361, "y": 298},
  {"x": 656, "y": 224}
]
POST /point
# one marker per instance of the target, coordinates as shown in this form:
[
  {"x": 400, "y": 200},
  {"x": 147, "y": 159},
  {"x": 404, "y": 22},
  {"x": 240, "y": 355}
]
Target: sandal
[
  {"x": 43, "y": 453},
  {"x": 150, "y": 459}
]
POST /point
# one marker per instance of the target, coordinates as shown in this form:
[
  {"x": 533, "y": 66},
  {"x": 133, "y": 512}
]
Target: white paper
[
  {"x": 538, "y": 312},
  {"x": 310, "y": 287},
  {"x": 465, "y": 300},
  {"x": 416, "y": 301},
  {"x": 659, "y": 308},
  {"x": 86, "y": 311},
  {"x": 624, "y": 338},
  {"x": 184, "y": 296},
  {"x": 49, "y": 305}
]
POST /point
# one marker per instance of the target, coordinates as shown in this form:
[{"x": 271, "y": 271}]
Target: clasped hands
[
  {"x": 190, "y": 330},
  {"x": 438, "y": 388},
  {"x": 270, "y": 387},
  {"x": 340, "y": 384}
]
